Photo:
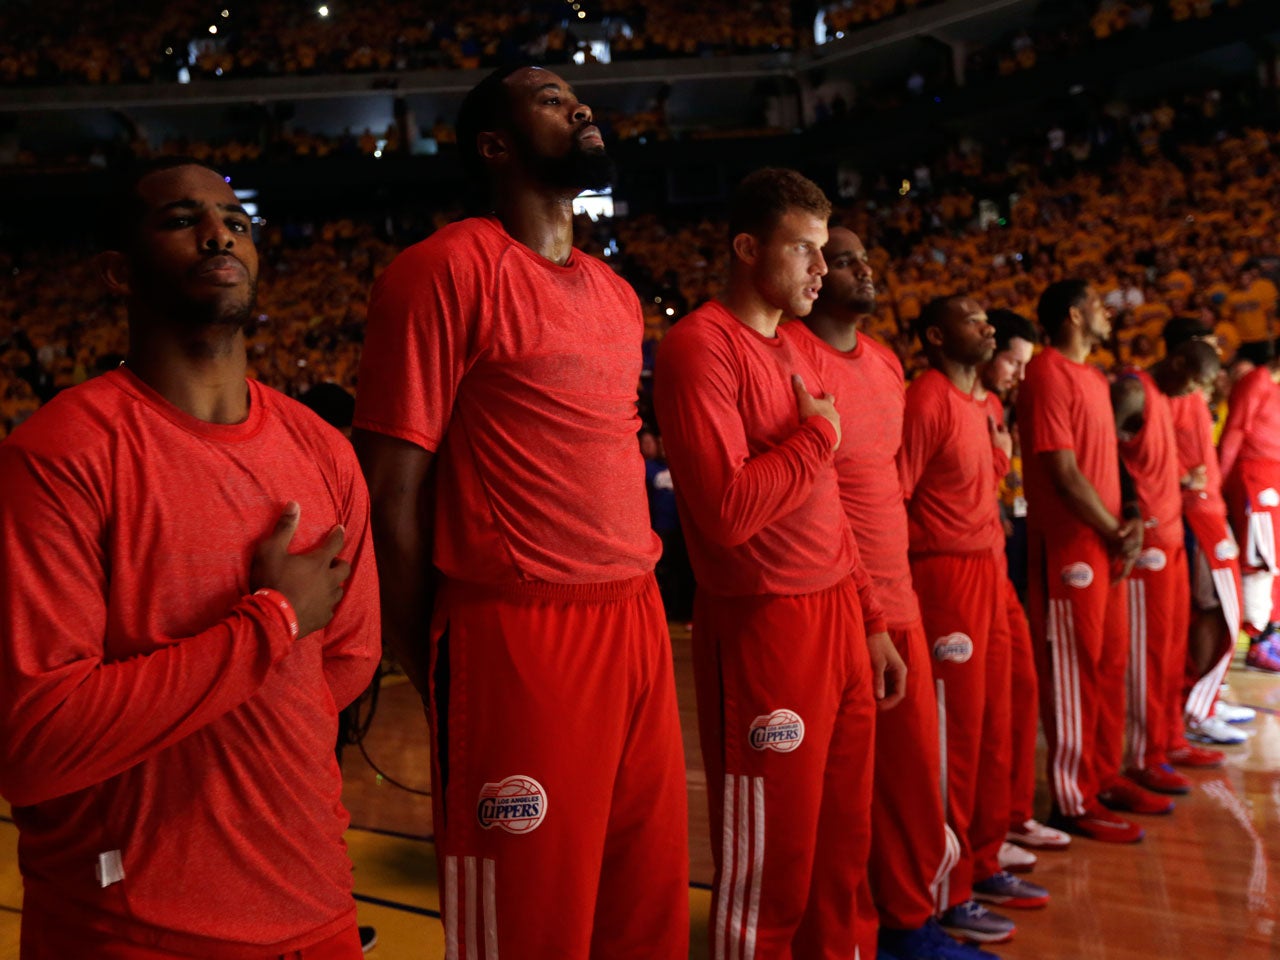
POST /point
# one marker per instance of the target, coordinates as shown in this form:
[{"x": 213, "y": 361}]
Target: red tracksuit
[
  {"x": 786, "y": 712},
  {"x": 1024, "y": 687},
  {"x": 1159, "y": 588},
  {"x": 1078, "y": 618},
  {"x": 909, "y": 850},
  {"x": 549, "y": 647},
  {"x": 1215, "y": 560},
  {"x": 166, "y": 743},
  {"x": 948, "y": 478},
  {"x": 1250, "y": 457}
]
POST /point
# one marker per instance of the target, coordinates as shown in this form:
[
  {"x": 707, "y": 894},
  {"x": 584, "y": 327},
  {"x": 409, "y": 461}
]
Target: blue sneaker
[
  {"x": 973, "y": 922},
  {"x": 926, "y": 943},
  {"x": 1006, "y": 890}
]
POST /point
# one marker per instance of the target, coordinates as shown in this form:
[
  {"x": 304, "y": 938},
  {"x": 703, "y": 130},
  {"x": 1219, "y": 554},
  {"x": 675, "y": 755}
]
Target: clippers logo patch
[
  {"x": 953, "y": 648},
  {"x": 782, "y": 730},
  {"x": 516, "y": 805},
  {"x": 1153, "y": 558},
  {"x": 1078, "y": 575},
  {"x": 1269, "y": 498},
  {"x": 1226, "y": 550}
]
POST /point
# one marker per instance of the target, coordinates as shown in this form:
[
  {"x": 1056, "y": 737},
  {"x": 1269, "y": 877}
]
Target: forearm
[
  {"x": 87, "y": 721},
  {"x": 407, "y": 592},
  {"x": 1082, "y": 500},
  {"x": 770, "y": 486}
]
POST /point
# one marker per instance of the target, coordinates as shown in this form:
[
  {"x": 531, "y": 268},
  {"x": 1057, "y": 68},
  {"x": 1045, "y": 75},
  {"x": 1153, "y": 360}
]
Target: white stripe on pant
[
  {"x": 1139, "y": 702},
  {"x": 479, "y": 882},
  {"x": 741, "y": 868},
  {"x": 1069, "y": 730}
]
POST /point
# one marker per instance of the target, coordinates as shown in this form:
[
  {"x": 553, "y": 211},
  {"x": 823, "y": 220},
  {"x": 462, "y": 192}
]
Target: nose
[
  {"x": 216, "y": 235},
  {"x": 819, "y": 264},
  {"x": 582, "y": 113}
]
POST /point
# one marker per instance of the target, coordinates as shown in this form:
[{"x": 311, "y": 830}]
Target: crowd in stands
[
  {"x": 149, "y": 41},
  {"x": 1180, "y": 222}
]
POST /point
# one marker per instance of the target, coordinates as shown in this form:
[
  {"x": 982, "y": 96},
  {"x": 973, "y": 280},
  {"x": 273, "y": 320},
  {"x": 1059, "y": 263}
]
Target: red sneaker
[
  {"x": 1123, "y": 794},
  {"x": 1097, "y": 823},
  {"x": 1190, "y": 756},
  {"x": 1161, "y": 778}
]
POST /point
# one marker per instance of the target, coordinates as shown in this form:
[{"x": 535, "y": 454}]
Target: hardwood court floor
[{"x": 1202, "y": 884}]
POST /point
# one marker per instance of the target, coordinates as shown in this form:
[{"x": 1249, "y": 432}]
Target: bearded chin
[{"x": 580, "y": 170}]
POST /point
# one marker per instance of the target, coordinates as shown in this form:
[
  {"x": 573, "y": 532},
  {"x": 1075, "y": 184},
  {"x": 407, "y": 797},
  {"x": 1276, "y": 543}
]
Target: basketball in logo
[
  {"x": 953, "y": 648},
  {"x": 517, "y": 805},
  {"x": 1153, "y": 558},
  {"x": 782, "y": 730},
  {"x": 1078, "y": 575}
]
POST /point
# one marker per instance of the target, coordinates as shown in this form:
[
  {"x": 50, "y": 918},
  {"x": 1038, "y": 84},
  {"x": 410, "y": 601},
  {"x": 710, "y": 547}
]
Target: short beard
[
  {"x": 862, "y": 305},
  {"x": 578, "y": 171}
]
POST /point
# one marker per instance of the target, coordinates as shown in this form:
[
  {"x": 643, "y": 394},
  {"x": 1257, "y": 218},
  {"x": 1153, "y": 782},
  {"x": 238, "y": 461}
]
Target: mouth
[
  {"x": 590, "y": 136},
  {"x": 222, "y": 269},
  {"x": 811, "y": 293}
]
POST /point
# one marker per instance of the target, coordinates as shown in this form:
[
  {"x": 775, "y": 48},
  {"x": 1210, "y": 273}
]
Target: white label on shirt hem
[{"x": 110, "y": 868}]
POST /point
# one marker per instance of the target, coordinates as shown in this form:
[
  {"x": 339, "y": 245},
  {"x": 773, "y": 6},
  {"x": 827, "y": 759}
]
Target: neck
[
  {"x": 980, "y": 390},
  {"x": 838, "y": 332},
  {"x": 539, "y": 218},
  {"x": 200, "y": 372},
  {"x": 1074, "y": 345},
  {"x": 963, "y": 376},
  {"x": 742, "y": 300}
]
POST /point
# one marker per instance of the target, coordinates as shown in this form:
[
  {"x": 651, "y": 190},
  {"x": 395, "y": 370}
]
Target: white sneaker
[
  {"x": 1233, "y": 712},
  {"x": 1033, "y": 833},
  {"x": 1015, "y": 859},
  {"x": 1214, "y": 730}
]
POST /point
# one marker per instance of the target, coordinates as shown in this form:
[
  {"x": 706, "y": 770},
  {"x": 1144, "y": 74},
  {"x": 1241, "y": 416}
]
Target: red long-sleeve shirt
[
  {"x": 1252, "y": 430},
  {"x": 1151, "y": 457},
  {"x": 148, "y": 705},
  {"x": 1193, "y": 429},
  {"x": 948, "y": 470},
  {"x": 757, "y": 489},
  {"x": 868, "y": 385}
]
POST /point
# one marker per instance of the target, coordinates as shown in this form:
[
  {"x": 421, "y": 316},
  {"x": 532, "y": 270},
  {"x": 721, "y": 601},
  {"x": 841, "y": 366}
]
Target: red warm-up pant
[
  {"x": 1215, "y": 584},
  {"x": 558, "y": 774},
  {"x": 46, "y": 937},
  {"x": 1252, "y": 492},
  {"x": 1159, "y": 617},
  {"x": 910, "y": 856},
  {"x": 1079, "y": 624},
  {"x": 962, "y": 603},
  {"x": 1024, "y": 713},
  {"x": 786, "y": 716}
]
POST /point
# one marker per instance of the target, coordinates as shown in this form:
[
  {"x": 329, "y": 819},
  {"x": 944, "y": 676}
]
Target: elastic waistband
[{"x": 532, "y": 591}]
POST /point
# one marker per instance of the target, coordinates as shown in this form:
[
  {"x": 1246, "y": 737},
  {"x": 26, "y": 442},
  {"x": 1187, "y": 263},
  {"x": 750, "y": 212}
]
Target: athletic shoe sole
[
  {"x": 1101, "y": 830},
  {"x": 970, "y": 936},
  {"x": 1013, "y": 903}
]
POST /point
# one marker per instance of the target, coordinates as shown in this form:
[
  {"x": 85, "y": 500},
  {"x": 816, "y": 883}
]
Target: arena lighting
[
  {"x": 225, "y": 14},
  {"x": 213, "y": 28},
  {"x": 323, "y": 11},
  {"x": 582, "y": 14}
]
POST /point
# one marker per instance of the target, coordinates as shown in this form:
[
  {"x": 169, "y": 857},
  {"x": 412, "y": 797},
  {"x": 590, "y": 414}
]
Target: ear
[
  {"x": 933, "y": 335},
  {"x": 113, "y": 269},
  {"x": 492, "y": 145},
  {"x": 746, "y": 248}
]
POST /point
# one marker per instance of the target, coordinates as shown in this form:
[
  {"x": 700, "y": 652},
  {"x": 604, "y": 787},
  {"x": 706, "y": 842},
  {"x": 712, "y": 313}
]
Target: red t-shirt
[
  {"x": 523, "y": 375},
  {"x": 1063, "y": 405},
  {"x": 948, "y": 471},
  {"x": 1252, "y": 430},
  {"x": 147, "y": 705},
  {"x": 1193, "y": 430},
  {"x": 868, "y": 386},
  {"x": 757, "y": 489},
  {"x": 1151, "y": 458}
]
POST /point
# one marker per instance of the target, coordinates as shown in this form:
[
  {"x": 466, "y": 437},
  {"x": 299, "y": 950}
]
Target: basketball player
[
  {"x": 174, "y": 637},
  {"x": 1249, "y": 452},
  {"x": 955, "y": 536},
  {"x": 505, "y": 362},
  {"x": 1016, "y": 337},
  {"x": 911, "y": 853},
  {"x": 1079, "y": 548},
  {"x": 790, "y": 648},
  {"x": 1212, "y": 551}
]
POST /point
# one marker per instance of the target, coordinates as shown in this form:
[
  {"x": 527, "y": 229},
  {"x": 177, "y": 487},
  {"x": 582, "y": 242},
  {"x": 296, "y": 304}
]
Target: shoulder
[
  {"x": 881, "y": 354},
  {"x": 457, "y": 250},
  {"x": 74, "y": 422},
  {"x": 308, "y": 428}
]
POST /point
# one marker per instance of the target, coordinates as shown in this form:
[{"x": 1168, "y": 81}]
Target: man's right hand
[
  {"x": 1127, "y": 542},
  {"x": 811, "y": 406},
  {"x": 311, "y": 582}
]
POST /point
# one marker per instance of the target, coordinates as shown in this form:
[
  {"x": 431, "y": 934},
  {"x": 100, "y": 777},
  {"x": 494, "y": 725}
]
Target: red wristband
[{"x": 281, "y": 601}]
